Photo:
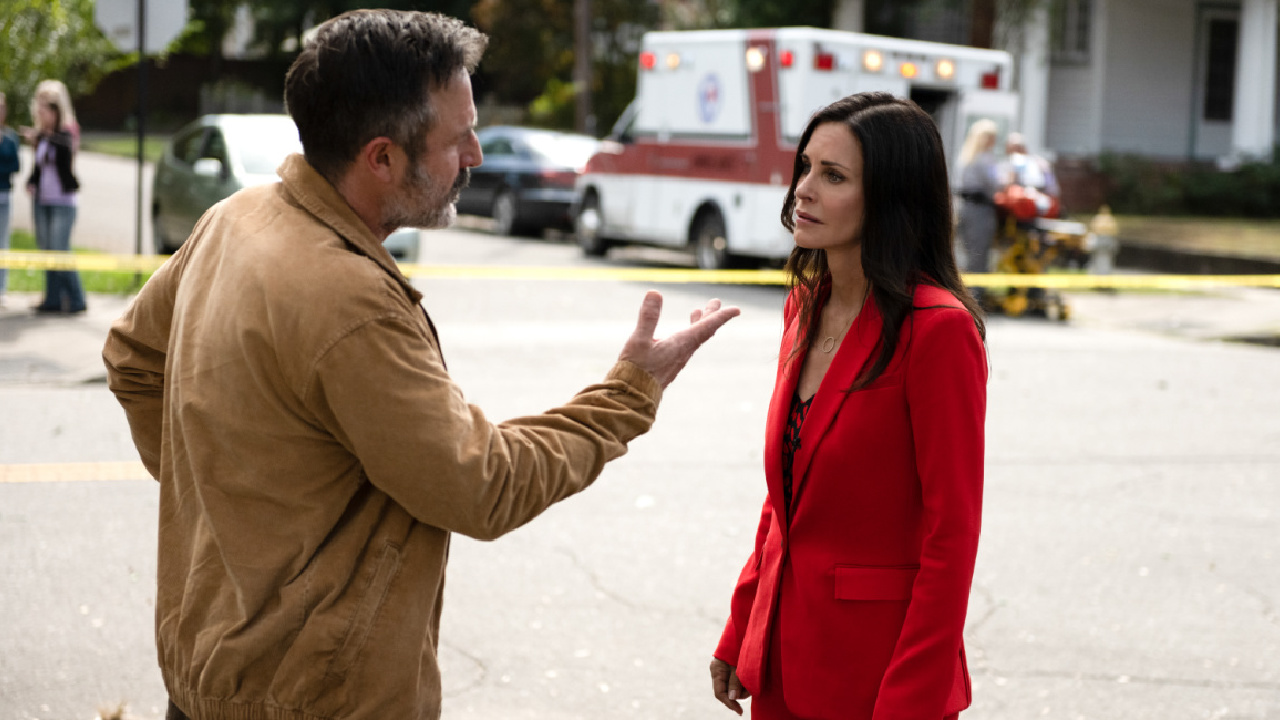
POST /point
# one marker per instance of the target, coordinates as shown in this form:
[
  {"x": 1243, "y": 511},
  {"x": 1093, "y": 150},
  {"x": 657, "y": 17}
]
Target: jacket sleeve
[
  {"x": 744, "y": 594},
  {"x": 9, "y": 163},
  {"x": 946, "y": 395},
  {"x": 135, "y": 353},
  {"x": 384, "y": 393}
]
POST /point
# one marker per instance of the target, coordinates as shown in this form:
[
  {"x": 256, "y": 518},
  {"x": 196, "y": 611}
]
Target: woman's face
[
  {"x": 46, "y": 116},
  {"x": 829, "y": 199}
]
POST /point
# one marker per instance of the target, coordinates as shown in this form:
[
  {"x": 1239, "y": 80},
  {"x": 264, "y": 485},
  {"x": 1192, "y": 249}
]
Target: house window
[
  {"x": 1070, "y": 22},
  {"x": 1220, "y": 69}
]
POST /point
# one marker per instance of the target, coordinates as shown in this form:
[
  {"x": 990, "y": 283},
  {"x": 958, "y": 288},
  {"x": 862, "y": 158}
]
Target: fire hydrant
[{"x": 1105, "y": 244}]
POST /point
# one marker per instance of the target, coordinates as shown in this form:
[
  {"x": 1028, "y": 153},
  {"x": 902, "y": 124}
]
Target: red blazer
[{"x": 872, "y": 571}]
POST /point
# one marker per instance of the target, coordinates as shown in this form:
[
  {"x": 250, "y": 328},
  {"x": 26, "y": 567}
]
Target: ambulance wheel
[
  {"x": 587, "y": 225},
  {"x": 710, "y": 246}
]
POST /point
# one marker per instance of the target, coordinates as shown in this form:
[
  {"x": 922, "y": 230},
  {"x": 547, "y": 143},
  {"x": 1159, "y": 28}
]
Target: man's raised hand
[{"x": 663, "y": 359}]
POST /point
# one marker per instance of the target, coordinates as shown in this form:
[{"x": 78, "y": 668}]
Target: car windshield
[
  {"x": 263, "y": 146},
  {"x": 569, "y": 150}
]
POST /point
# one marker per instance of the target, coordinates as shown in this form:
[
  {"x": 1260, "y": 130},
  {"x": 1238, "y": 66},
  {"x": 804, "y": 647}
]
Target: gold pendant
[{"x": 829, "y": 344}]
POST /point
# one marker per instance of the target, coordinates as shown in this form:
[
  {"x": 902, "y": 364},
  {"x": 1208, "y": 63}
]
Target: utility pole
[
  {"x": 584, "y": 121},
  {"x": 142, "y": 128}
]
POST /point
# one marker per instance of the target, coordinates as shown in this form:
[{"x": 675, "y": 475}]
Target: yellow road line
[
  {"x": 28, "y": 260},
  {"x": 72, "y": 472}
]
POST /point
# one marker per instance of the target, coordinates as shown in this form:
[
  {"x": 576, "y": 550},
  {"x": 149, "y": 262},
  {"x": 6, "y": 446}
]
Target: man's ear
[{"x": 381, "y": 158}]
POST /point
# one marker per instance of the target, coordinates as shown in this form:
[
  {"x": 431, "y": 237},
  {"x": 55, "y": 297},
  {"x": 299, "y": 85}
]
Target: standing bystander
[
  {"x": 8, "y": 166},
  {"x": 288, "y": 391},
  {"x": 53, "y": 188}
]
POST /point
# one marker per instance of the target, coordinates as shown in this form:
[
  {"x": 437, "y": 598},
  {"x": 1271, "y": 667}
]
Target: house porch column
[{"x": 1253, "y": 124}]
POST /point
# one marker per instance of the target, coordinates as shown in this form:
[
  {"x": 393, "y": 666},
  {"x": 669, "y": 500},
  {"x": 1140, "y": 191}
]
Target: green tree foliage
[
  {"x": 784, "y": 13},
  {"x": 46, "y": 39},
  {"x": 279, "y": 25},
  {"x": 531, "y": 60}
]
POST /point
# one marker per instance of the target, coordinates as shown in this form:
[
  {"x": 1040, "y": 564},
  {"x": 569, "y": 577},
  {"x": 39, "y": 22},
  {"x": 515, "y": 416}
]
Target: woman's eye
[{"x": 834, "y": 176}]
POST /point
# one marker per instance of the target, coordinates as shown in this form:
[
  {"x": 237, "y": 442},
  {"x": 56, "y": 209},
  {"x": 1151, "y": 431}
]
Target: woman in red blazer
[{"x": 853, "y": 602}]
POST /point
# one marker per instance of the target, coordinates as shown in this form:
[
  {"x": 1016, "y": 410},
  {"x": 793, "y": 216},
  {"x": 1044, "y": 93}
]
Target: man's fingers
[
  {"x": 650, "y": 311},
  {"x": 702, "y": 330},
  {"x": 736, "y": 690}
]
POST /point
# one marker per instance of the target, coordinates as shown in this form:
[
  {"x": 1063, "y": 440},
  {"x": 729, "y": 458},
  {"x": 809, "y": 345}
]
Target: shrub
[{"x": 1140, "y": 186}]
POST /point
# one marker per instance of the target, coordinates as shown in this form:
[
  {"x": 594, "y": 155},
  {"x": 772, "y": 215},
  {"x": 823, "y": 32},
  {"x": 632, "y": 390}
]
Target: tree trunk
[
  {"x": 583, "y": 119},
  {"x": 983, "y": 24}
]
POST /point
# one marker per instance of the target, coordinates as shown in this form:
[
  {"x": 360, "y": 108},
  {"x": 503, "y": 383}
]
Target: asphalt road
[{"x": 1128, "y": 566}]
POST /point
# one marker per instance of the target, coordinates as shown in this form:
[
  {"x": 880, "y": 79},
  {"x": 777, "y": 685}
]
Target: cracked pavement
[{"x": 1128, "y": 566}]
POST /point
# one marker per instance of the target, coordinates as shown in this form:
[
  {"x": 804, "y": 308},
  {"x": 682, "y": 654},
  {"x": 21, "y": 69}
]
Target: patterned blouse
[{"x": 791, "y": 442}]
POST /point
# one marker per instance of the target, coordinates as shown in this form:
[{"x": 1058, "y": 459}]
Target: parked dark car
[
  {"x": 215, "y": 156},
  {"x": 526, "y": 181}
]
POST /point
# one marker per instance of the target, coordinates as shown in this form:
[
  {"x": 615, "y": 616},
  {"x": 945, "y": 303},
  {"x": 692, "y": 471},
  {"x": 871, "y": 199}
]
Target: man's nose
[{"x": 474, "y": 155}]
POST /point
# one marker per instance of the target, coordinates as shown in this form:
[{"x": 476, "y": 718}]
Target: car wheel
[
  {"x": 710, "y": 246},
  {"x": 587, "y": 226},
  {"x": 505, "y": 216},
  {"x": 158, "y": 239}
]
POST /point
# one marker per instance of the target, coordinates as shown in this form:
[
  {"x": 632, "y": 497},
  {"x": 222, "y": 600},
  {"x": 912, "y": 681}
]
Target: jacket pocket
[
  {"x": 372, "y": 600},
  {"x": 860, "y": 582}
]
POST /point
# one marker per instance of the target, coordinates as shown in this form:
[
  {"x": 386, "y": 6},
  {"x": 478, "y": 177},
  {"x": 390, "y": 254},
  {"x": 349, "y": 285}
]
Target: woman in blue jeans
[{"x": 53, "y": 186}]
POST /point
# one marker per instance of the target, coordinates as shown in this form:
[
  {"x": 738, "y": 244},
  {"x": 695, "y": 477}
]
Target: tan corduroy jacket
[{"x": 288, "y": 392}]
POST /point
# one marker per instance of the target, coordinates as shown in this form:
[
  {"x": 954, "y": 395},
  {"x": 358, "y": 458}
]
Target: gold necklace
[{"x": 829, "y": 343}]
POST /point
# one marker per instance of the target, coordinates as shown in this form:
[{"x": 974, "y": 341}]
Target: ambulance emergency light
[{"x": 872, "y": 61}]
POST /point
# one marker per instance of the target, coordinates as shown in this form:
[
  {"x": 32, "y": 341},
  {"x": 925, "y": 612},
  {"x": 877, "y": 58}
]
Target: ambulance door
[{"x": 942, "y": 105}]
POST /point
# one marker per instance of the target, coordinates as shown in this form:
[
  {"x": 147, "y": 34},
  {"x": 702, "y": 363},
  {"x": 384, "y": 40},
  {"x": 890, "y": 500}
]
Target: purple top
[{"x": 50, "y": 191}]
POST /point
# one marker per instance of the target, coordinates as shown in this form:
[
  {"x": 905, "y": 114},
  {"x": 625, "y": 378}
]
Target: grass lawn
[
  {"x": 124, "y": 146},
  {"x": 118, "y": 283}
]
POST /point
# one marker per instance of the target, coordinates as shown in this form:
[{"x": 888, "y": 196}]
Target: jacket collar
[
  {"x": 855, "y": 353},
  {"x": 310, "y": 190}
]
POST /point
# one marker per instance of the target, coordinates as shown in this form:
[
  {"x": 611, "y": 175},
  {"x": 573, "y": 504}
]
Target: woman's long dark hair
[{"x": 907, "y": 222}]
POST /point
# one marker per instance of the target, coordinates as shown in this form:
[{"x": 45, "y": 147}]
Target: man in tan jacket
[{"x": 288, "y": 391}]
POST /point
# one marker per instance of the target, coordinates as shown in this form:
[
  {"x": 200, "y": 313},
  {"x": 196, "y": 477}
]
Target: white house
[{"x": 1165, "y": 79}]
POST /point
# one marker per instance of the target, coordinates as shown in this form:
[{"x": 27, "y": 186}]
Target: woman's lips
[{"x": 805, "y": 217}]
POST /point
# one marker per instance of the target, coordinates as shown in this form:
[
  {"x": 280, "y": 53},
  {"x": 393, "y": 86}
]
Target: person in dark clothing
[{"x": 52, "y": 186}]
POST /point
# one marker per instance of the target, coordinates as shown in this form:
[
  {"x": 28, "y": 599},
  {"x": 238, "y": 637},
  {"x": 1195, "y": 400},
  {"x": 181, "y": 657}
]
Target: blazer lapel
[
  {"x": 779, "y": 411},
  {"x": 854, "y": 353}
]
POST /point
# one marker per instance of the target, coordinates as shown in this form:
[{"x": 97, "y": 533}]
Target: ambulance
[{"x": 702, "y": 158}]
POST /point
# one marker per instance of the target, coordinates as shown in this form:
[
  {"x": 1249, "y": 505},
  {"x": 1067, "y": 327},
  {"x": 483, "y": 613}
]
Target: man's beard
[{"x": 416, "y": 204}]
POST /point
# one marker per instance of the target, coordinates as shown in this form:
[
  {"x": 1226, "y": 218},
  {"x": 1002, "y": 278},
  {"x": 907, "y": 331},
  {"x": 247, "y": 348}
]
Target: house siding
[{"x": 1147, "y": 101}]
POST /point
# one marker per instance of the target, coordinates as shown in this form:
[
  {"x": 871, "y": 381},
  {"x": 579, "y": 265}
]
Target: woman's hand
[{"x": 724, "y": 683}]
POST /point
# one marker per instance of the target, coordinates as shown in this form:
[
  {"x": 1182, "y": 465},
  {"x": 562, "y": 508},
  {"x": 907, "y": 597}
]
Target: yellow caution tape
[
  {"x": 37, "y": 260},
  {"x": 73, "y": 472},
  {"x": 28, "y": 260}
]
